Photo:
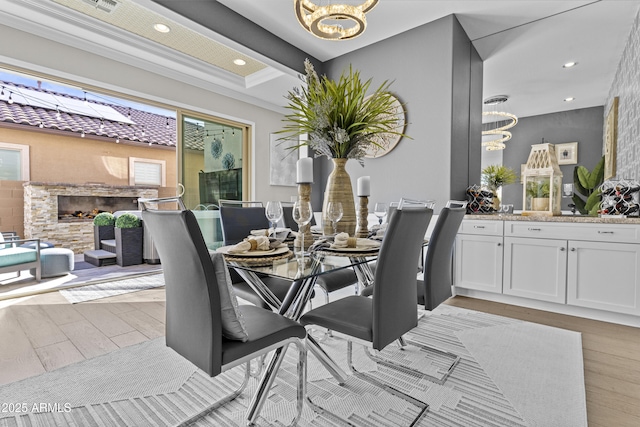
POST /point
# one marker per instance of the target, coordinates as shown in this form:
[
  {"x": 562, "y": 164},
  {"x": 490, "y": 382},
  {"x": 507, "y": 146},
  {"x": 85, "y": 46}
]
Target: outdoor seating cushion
[
  {"x": 15, "y": 256},
  {"x": 32, "y": 245},
  {"x": 56, "y": 261}
]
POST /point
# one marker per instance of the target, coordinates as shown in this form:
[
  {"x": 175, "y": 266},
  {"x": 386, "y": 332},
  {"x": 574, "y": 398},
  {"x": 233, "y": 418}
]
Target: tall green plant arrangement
[
  {"x": 587, "y": 184},
  {"x": 495, "y": 176},
  {"x": 340, "y": 119}
]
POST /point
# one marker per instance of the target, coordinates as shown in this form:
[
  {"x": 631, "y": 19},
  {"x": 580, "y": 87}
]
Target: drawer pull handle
[
  {"x": 573, "y": 249},
  {"x": 605, "y": 232},
  {"x": 478, "y": 226},
  {"x": 561, "y": 249},
  {"x": 499, "y": 244},
  {"x": 534, "y": 229}
]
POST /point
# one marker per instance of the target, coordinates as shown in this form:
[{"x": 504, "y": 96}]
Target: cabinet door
[
  {"x": 478, "y": 262},
  {"x": 535, "y": 268},
  {"x": 604, "y": 276}
]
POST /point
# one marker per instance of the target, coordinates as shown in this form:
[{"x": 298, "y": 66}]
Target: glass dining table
[{"x": 303, "y": 273}]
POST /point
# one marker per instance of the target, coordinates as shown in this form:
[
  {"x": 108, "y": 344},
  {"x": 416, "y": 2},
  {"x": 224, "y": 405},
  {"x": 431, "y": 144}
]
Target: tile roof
[{"x": 148, "y": 128}]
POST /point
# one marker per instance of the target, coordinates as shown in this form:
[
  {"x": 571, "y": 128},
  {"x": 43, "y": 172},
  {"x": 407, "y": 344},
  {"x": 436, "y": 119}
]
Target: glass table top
[{"x": 292, "y": 268}]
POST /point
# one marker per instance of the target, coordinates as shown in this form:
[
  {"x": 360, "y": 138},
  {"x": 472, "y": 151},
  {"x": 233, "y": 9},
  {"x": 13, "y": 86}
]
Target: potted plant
[
  {"x": 539, "y": 192},
  {"x": 129, "y": 235},
  {"x": 588, "y": 184},
  {"x": 103, "y": 228},
  {"x": 494, "y": 177},
  {"x": 342, "y": 121}
]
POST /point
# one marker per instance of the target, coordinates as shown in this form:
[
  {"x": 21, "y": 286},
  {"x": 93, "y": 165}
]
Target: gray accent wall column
[{"x": 437, "y": 74}]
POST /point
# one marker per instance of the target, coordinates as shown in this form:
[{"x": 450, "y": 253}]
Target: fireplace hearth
[
  {"x": 49, "y": 210},
  {"x": 85, "y": 208}
]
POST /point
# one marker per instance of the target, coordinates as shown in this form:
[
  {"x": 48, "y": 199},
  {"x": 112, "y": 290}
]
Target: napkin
[
  {"x": 342, "y": 240},
  {"x": 253, "y": 243},
  {"x": 279, "y": 233},
  {"x": 377, "y": 232}
]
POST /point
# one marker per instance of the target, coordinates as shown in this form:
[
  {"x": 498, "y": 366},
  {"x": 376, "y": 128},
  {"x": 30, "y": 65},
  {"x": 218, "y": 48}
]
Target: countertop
[{"x": 563, "y": 218}]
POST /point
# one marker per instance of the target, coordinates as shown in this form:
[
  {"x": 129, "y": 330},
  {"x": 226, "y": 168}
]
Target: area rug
[
  {"x": 112, "y": 288},
  {"x": 512, "y": 373}
]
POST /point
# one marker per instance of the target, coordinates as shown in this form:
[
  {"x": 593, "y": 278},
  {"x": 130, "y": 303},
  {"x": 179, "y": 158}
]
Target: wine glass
[
  {"x": 302, "y": 213},
  {"x": 273, "y": 212},
  {"x": 334, "y": 214},
  {"x": 380, "y": 210}
]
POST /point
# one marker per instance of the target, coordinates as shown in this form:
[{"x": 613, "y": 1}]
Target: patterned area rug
[
  {"x": 512, "y": 373},
  {"x": 112, "y": 288}
]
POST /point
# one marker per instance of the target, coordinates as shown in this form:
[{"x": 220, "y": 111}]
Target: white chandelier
[
  {"x": 317, "y": 19},
  {"x": 500, "y": 133}
]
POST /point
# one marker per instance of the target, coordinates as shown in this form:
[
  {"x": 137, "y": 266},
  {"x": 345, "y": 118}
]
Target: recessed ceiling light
[
  {"x": 570, "y": 64},
  {"x": 161, "y": 28},
  {"x": 569, "y": 99},
  {"x": 239, "y": 61}
]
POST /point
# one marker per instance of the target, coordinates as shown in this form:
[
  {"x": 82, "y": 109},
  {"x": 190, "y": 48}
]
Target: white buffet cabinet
[{"x": 582, "y": 266}]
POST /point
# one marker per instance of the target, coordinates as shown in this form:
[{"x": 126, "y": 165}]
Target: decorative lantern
[{"x": 542, "y": 179}]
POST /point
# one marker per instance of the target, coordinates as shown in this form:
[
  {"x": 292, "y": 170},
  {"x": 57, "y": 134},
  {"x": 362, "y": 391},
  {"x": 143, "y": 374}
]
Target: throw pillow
[{"x": 233, "y": 326}]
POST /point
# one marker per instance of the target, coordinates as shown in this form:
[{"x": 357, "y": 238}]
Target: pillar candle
[
  {"x": 304, "y": 168},
  {"x": 364, "y": 186}
]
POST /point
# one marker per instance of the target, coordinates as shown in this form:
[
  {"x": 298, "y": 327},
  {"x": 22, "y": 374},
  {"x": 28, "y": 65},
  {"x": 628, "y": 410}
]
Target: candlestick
[
  {"x": 304, "y": 170},
  {"x": 304, "y": 195},
  {"x": 364, "y": 186},
  {"x": 363, "y": 213}
]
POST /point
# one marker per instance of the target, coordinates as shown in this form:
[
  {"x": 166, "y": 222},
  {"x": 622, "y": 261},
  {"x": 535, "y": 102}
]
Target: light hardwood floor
[{"x": 45, "y": 332}]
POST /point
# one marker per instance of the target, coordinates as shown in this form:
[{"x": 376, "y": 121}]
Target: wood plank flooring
[{"x": 44, "y": 332}]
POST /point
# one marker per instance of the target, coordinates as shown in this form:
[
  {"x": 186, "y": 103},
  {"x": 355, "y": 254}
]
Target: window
[
  {"x": 147, "y": 172},
  {"x": 14, "y": 162}
]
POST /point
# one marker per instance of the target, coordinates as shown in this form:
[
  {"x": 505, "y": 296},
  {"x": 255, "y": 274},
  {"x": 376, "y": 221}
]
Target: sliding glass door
[{"x": 214, "y": 166}]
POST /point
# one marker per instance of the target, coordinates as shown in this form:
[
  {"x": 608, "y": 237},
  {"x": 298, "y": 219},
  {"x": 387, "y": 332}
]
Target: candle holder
[
  {"x": 304, "y": 195},
  {"x": 363, "y": 213}
]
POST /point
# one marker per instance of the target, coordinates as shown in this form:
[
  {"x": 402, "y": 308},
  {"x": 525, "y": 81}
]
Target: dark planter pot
[
  {"x": 102, "y": 232},
  {"x": 129, "y": 246}
]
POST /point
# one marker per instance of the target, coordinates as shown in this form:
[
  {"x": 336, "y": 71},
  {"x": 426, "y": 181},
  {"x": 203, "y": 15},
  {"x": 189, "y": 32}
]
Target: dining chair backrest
[
  {"x": 240, "y": 203},
  {"x": 438, "y": 277},
  {"x": 394, "y": 292},
  {"x": 193, "y": 309},
  {"x": 287, "y": 218},
  {"x": 237, "y": 222}
]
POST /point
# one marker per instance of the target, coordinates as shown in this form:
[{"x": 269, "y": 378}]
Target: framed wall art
[
  {"x": 567, "y": 153},
  {"x": 282, "y": 165},
  {"x": 611, "y": 140}
]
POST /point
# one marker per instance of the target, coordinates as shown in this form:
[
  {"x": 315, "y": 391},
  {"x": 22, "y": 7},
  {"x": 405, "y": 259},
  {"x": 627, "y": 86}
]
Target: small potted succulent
[
  {"x": 103, "y": 228},
  {"x": 129, "y": 235}
]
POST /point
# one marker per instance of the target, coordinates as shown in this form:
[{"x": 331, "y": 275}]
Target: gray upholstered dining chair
[
  {"x": 237, "y": 222},
  {"x": 392, "y": 311},
  {"x": 435, "y": 288},
  {"x": 204, "y": 323},
  {"x": 240, "y": 203}
]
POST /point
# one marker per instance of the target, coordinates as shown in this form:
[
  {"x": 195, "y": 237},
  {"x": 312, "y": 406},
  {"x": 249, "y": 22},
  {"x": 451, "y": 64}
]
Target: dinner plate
[
  {"x": 356, "y": 249},
  {"x": 270, "y": 252}
]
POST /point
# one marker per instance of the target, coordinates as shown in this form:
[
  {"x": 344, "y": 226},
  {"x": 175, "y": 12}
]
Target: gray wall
[
  {"x": 583, "y": 126},
  {"x": 436, "y": 73}
]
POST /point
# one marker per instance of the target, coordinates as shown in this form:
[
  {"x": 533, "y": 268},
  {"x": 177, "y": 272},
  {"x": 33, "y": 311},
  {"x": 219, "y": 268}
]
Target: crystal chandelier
[
  {"x": 500, "y": 122},
  {"x": 324, "y": 21}
]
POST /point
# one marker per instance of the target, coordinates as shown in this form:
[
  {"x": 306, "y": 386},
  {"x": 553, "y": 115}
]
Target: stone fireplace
[{"x": 61, "y": 213}]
